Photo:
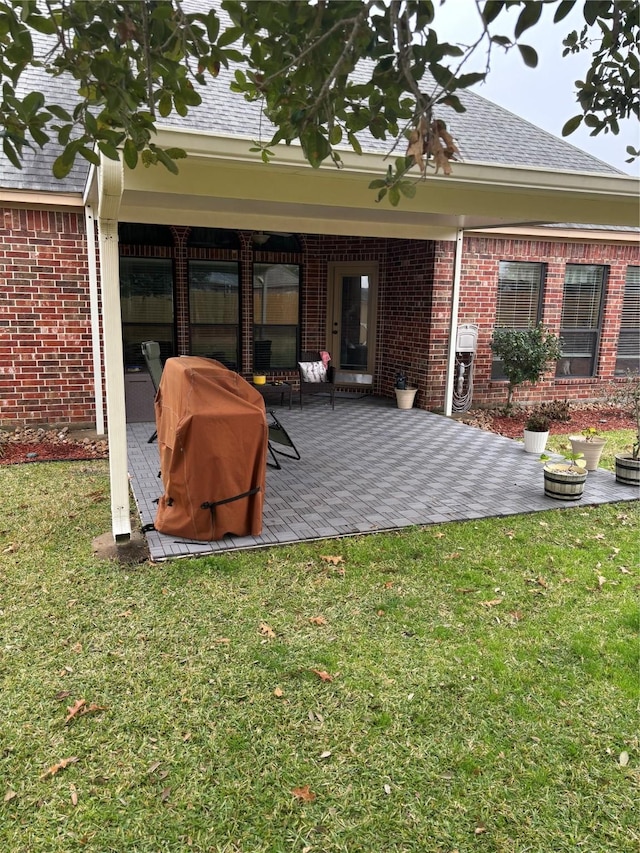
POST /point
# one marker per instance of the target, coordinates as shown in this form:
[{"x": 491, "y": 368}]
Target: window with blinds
[
  {"x": 628, "y": 357},
  {"x": 214, "y": 310},
  {"x": 519, "y": 303},
  {"x": 146, "y": 303},
  {"x": 276, "y": 315},
  {"x": 581, "y": 318}
]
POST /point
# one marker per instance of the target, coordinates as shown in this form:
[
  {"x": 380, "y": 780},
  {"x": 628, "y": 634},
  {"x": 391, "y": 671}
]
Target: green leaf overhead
[{"x": 322, "y": 74}]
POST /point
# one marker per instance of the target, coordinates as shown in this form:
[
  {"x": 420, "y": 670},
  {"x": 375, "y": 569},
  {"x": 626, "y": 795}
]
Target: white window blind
[
  {"x": 580, "y": 324},
  {"x": 628, "y": 356},
  {"x": 520, "y": 285},
  {"x": 519, "y": 290},
  {"x": 276, "y": 315},
  {"x": 214, "y": 310}
]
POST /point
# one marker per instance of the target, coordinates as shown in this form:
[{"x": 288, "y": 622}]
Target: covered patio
[{"x": 367, "y": 466}]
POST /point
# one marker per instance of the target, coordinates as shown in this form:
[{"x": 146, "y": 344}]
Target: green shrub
[{"x": 525, "y": 354}]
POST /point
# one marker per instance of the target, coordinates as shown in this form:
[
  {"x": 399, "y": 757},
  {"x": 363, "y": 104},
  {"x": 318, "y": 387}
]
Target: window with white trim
[
  {"x": 581, "y": 319},
  {"x": 519, "y": 303},
  {"x": 628, "y": 356}
]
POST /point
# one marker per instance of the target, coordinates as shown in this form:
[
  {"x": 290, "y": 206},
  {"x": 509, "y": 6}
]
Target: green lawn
[{"x": 476, "y": 686}]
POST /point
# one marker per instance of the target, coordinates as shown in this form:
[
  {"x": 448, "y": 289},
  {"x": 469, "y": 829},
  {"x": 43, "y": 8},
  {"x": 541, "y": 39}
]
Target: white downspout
[
  {"x": 453, "y": 326},
  {"x": 89, "y": 220},
  {"x": 110, "y": 188}
]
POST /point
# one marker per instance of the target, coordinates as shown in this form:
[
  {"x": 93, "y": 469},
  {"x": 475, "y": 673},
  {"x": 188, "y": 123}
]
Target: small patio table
[{"x": 275, "y": 391}]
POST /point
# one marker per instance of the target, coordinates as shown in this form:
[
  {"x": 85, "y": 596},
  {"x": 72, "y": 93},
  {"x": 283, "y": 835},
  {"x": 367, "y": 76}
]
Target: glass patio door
[{"x": 351, "y": 320}]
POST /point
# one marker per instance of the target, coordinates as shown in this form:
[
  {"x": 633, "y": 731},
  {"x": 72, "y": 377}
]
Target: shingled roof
[{"x": 486, "y": 133}]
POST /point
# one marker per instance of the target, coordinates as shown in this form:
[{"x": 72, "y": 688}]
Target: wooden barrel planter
[
  {"x": 564, "y": 482},
  {"x": 627, "y": 470}
]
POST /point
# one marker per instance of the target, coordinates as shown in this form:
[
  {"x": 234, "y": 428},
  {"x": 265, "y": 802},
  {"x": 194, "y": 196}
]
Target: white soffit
[{"x": 222, "y": 184}]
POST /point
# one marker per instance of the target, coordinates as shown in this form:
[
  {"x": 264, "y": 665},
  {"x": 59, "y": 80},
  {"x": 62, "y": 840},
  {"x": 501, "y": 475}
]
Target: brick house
[{"x": 232, "y": 255}]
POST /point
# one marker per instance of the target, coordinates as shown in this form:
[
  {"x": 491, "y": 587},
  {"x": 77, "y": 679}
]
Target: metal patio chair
[
  {"x": 151, "y": 354},
  {"x": 279, "y": 436}
]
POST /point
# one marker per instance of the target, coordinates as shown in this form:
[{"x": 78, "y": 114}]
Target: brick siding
[
  {"x": 46, "y": 373},
  {"x": 45, "y": 335}
]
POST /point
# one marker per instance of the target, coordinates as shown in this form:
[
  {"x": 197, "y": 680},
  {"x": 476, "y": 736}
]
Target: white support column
[
  {"x": 110, "y": 187},
  {"x": 453, "y": 325},
  {"x": 89, "y": 220}
]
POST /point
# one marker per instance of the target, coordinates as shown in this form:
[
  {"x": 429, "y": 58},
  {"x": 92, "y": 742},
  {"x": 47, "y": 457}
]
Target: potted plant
[
  {"x": 626, "y": 396},
  {"x": 536, "y": 432},
  {"x": 590, "y": 445},
  {"x": 525, "y": 355},
  {"x": 564, "y": 480},
  {"x": 405, "y": 394}
]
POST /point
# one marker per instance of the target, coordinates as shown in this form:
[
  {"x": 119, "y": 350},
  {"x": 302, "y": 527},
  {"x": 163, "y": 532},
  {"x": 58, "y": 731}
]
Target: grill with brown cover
[{"x": 212, "y": 438}]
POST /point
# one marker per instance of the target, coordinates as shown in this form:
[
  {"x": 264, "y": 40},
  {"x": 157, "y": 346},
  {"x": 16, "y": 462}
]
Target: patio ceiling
[{"x": 221, "y": 182}]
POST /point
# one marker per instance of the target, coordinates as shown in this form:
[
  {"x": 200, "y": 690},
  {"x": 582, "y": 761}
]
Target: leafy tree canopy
[{"x": 322, "y": 72}]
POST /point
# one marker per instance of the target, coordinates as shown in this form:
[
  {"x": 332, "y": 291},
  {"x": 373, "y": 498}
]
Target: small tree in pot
[{"x": 525, "y": 355}]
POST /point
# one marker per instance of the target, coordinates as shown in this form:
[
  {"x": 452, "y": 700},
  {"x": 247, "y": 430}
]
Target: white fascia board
[
  {"x": 40, "y": 199},
  {"x": 473, "y": 196}
]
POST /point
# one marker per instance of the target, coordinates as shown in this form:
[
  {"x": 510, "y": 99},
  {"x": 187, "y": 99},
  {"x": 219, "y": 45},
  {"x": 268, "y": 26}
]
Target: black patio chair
[
  {"x": 279, "y": 435},
  {"x": 151, "y": 354},
  {"x": 309, "y": 367}
]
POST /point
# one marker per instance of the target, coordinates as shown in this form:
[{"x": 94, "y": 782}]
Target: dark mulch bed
[
  {"x": 39, "y": 445},
  {"x": 594, "y": 415}
]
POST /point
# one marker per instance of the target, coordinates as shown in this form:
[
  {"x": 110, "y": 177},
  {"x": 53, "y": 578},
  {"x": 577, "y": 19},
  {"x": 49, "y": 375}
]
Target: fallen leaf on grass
[
  {"x": 387, "y": 789},
  {"x": 322, "y": 674},
  {"x": 624, "y": 759},
  {"x": 542, "y": 582},
  {"x": 601, "y": 581},
  {"x": 465, "y": 589},
  {"x": 325, "y": 754},
  {"x": 223, "y": 641},
  {"x": 438, "y": 535},
  {"x": 516, "y": 615},
  {"x": 317, "y": 620},
  {"x": 64, "y": 762},
  {"x": 266, "y": 630},
  {"x": 164, "y": 796},
  {"x": 329, "y": 558},
  {"x": 279, "y": 692},
  {"x": 479, "y": 829},
  {"x": 62, "y": 694},
  {"x": 454, "y": 555},
  {"x": 10, "y": 795},
  {"x": 492, "y": 603},
  {"x": 80, "y": 708},
  {"x": 74, "y": 795},
  {"x": 304, "y": 794},
  {"x": 625, "y": 571},
  {"x": 154, "y": 767}
]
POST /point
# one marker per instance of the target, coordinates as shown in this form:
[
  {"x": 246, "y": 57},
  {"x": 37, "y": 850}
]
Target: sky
[{"x": 544, "y": 95}]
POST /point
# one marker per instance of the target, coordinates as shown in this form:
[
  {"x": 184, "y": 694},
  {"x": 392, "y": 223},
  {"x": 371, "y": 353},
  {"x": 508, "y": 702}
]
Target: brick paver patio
[{"x": 368, "y": 466}]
